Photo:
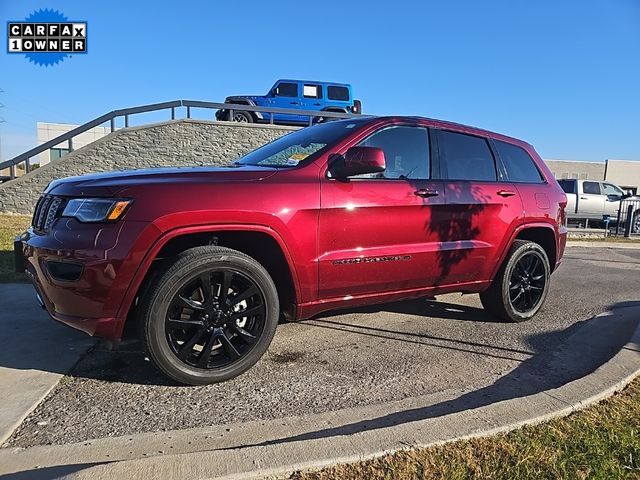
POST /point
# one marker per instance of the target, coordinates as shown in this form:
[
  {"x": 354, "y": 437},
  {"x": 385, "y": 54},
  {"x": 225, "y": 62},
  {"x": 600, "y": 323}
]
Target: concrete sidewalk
[
  {"x": 631, "y": 244},
  {"x": 261, "y": 448},
  {"x": 35, "y": 352}
]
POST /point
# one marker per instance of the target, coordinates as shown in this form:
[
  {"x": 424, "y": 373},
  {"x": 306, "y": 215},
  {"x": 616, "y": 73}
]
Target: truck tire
[
  {"x": 635, "y": 226},
  {"x": 520, "y": 287},
  {"x": 242, "y": 116},
  {"x": 209, "y": 315}
]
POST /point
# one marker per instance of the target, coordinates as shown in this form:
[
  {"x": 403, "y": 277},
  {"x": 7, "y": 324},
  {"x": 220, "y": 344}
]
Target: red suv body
[{"x": 337, "y": 215}]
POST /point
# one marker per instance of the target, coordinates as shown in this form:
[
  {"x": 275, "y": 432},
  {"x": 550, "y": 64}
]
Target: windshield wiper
[{"x": 406, "y": 177}]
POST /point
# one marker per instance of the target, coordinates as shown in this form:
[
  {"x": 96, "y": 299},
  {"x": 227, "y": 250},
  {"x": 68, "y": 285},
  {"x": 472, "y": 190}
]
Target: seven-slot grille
[{"x": 48, "y": 209}]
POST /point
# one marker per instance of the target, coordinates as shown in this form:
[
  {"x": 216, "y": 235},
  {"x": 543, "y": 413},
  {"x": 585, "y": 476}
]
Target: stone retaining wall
[{"x": 174, "y": 143}]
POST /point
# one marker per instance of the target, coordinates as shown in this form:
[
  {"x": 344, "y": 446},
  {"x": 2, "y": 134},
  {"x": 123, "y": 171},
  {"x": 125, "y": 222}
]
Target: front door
[
  {"x": 376, "y": 231},
  {"x": 591, "y": 200},
  {"x": 613, "y": 196},
  {"x": 287, "y": 95}
]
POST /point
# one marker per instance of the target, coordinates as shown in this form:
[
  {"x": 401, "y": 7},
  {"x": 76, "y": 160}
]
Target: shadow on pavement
[
  {"x": 127, "y": 363},
  {"x": 49, "y": 473},
  {"x": 423, "y": 307},
  {"x": 588, "y": 345},
  {"x": 583, "y": 348}
]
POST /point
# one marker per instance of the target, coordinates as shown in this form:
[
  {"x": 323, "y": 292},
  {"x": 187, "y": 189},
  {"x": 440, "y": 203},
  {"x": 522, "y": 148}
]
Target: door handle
[
  {"x": 506, "y": 193},
  {"x": 584, "y": 198},
  {"x": 317, "y": 104},
  {"x": 426, "y": 193},
  {"x": 294, "y": 103}
]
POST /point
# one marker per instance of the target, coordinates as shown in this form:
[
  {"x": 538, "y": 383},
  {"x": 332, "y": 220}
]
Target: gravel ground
[{"x": 354, "y": 358}]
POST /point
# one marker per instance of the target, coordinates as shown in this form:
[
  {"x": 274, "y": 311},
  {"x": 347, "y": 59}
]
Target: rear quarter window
[
  {"x": 338, "y": 93},
  {"x": 519, "y": 166}
]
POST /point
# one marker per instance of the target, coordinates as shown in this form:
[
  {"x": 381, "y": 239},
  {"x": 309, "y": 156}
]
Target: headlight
[{"x": 96, "y": 209}]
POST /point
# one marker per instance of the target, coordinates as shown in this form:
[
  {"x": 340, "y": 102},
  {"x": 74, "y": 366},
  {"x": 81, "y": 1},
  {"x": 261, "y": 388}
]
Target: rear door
[
  {"x": 311, "y": 96},
  {"x": 481, "y": 208},
  {"x": 376, "y": 232}
]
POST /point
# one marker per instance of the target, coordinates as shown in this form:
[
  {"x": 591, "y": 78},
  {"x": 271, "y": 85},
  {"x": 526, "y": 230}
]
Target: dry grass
[
  {"x": 10, "y": 227},
  {"x": 601, "y": 442}
]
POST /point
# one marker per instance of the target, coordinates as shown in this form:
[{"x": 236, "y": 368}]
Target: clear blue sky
[{"x": 563, "y": 75}]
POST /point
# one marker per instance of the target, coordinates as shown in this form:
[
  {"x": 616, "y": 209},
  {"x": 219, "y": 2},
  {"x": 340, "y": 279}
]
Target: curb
[
  {"x": 631, "y": 245},
  {"x": 260, "y": 449}
]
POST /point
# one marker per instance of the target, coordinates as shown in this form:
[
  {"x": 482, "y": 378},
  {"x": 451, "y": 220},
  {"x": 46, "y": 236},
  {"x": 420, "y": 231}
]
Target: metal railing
[
  {"x": 628, "y": 221},
  {"x": 127, "y": 112}
]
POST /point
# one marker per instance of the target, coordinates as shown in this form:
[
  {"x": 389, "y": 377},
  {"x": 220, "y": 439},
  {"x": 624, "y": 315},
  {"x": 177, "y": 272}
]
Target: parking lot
[{"x": 354, "y": 358}]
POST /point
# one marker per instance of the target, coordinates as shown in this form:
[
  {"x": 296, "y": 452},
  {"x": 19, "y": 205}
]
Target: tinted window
[
  {"x": 609, "y": 189},
  {"x": 569, "y": 186},
  {"x": 466, "y": 157},
  {"x": 287, "y": 90},
  {"x": 406, "y": 152},
  {"x": 591, "y": 187},
  {"x": 518, "y": 164},
  {"x": 338, "y": 93},
  {"x": 312, "y": 91}
]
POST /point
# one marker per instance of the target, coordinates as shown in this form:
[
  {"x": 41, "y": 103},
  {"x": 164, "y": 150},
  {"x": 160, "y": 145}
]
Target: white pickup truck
[{"x": 591, "y": 200}]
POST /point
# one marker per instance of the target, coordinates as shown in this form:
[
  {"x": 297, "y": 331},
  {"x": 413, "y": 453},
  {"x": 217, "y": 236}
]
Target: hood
[{"x": 111, "y": 183}]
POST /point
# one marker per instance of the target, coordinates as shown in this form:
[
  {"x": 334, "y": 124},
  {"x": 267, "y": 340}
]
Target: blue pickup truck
[{"x": 294, "y": 95}]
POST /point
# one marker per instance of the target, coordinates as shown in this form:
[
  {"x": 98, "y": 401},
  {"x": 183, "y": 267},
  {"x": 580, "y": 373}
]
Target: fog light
[{"x": 65, "y": 271}]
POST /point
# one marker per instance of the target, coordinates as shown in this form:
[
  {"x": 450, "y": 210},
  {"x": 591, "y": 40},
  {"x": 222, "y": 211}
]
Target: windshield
[{"x": 301, "y": 146}]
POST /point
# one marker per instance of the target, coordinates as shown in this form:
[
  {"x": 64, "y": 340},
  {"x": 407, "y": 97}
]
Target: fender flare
[
  {"x": 245, "y": 101},
  {"x": 161, "y": 241},
  {"x": 519, "y": 229}
]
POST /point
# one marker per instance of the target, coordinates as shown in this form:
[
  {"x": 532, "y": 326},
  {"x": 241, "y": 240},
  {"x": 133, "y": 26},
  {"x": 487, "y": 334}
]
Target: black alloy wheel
[
  {"x": 215, "y": 319},
  {"x": 208, "y": 315},
  {"x": 521, "y": 284},
  {"x": 527, "y": 282}
]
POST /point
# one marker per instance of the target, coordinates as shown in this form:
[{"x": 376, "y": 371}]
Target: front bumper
[{"x": 81, "y": 272}]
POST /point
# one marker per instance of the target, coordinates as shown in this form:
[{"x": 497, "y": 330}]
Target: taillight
[{"x": 562, "y": 213}]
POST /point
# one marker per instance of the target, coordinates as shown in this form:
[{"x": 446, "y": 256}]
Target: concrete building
[
  {"x": 49, "y": 131},
  {"x": 624, "y": 173}
]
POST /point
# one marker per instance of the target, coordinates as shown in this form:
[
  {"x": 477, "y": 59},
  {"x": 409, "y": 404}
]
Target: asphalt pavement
[{"x": 364, "y": 357}]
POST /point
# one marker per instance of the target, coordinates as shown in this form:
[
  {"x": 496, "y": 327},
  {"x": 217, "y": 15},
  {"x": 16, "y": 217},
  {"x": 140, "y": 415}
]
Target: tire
[
  {"x": 179, "y": 321},
  {"x": 635, "y": 226},
  {"x": 241, "y": 116},
  {"x": 520, "y": 287}
]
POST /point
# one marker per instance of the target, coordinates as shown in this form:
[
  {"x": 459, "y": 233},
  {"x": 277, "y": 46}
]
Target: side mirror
[{"x": 358, "y": 161}]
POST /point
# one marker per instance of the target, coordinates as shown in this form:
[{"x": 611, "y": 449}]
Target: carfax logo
[{"x": 46, "y": 37}]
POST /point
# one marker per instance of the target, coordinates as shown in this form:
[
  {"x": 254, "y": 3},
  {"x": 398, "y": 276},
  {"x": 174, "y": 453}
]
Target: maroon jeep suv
[{"x": 206, "y": 260}]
